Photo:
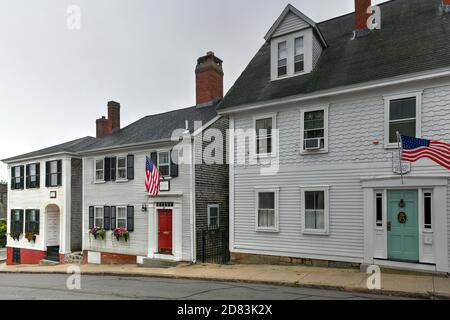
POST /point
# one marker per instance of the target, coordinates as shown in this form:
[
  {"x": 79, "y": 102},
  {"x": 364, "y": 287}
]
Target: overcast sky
[{"x": 55, "y": 82}]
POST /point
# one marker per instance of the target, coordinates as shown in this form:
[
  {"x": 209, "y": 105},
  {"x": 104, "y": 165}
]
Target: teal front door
[{"x": 403, "y": 225}]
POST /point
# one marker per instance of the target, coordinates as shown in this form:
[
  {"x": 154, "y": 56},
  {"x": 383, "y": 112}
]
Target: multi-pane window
[
  {"x": 427, "y": 202},
  {"x": 121, "y": 168},
  {"x": 314, "y": 130},
  {"x": 121, "y": 217},
  {"x": 314, "y": 210},
  {"x": 379, "y": 209},
  {"x": 32, "y": 221},
  {"x": 3, "y": 197},
  {"x": 164, "y": 163},
  {"x": 266, "y": 210},
  {"x": 282, "y": 58},
  {"x": 32, "y": 178},
  {"x": 17, "y": 221},
  {"x": 402, "y": 118},
  {"x": 100, "y": 170},
  {"x": 17, "y": 177},
  {"x": 98, "y": 217},
  {"x": 264, "y": 136},
  {"x": 53, "y": 173},
  {"x": 299, "y": 57},
  {"x": 213, "y": 216}
]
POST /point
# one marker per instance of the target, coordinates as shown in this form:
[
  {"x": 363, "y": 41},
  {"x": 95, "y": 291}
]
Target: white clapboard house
[{"x": 314, "y": 176}]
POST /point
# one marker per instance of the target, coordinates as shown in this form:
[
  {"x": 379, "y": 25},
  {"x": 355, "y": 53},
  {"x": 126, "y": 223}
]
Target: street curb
[{"x": 393, "y": 293}]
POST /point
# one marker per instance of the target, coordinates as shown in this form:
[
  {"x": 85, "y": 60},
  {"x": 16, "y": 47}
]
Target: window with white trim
[
  {"x": 402, "y": 116},
  {"x": 98, "y": 217},
  {"x": 379, "y": 209},
  {"x": 282, "y": 58},
  {"x": 121, "y": 168},
  {"x": 299, "y": 56},
  {"x": 213, "y": 216},
  {"x": 99, "y": 169},
  {"x": 427, "y": 209},
  {"x": 121, "y": 217},
  {"x": 315, "y": 210},
  {"x": 267, "y": 210},
  {"x": 314, "y": 129},
  {"x": 264, "y": 135},
  {"x": 164, "y": 163}
]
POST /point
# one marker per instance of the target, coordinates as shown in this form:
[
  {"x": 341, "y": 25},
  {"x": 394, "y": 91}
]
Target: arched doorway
[{"x": 52, "y": 228}]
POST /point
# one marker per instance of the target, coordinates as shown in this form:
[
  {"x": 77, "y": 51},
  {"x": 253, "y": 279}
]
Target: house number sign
[{"x": 402, "y": 218}]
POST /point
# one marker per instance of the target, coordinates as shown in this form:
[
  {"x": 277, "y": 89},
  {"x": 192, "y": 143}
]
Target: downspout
[{"x": 194, "y": 238}]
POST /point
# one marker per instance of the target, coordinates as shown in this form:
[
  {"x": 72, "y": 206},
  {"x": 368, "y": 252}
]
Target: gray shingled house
[{"x": 325, "y": 101}]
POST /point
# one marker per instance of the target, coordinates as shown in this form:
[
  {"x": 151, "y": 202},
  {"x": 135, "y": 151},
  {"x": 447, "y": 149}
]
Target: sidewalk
[{"x": 411, "y": 285}]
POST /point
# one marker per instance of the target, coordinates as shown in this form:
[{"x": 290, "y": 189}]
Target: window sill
[
  {"x": 267, "y": 230},
  {"x": 121, "y": 180},
  {"x": 99, "y": 182},
  {"x": 391, "y": 146},
  {"x": 312, "y": 152},
  {"x": 53, "y": 187},
  {"x": 315, "y": 232}
]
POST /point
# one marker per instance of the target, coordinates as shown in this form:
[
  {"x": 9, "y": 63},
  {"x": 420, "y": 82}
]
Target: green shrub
[{"x": 3, "y": 231}]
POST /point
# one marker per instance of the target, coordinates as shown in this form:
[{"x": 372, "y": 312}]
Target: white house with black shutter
[
  {"x": 44, "y": 201},
  {"x": 318, "y": 181}
]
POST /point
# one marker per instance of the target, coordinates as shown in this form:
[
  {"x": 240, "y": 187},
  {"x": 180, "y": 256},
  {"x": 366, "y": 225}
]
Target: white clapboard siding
[
  {"x": 355, "y": 123},
  {"x": 290, "y": 24},
  {"x": 132, "y": 193}
]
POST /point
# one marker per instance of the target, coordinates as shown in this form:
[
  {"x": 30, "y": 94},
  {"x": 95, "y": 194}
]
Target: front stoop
[{"x": 158, "y": 263}]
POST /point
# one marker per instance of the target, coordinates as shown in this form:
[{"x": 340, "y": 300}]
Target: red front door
[{"x": 165, "y": 231}]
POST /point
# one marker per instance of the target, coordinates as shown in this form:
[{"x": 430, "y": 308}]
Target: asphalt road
[{"x": 53, "y": 287}]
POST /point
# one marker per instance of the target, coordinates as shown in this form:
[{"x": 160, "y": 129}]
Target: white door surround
[{"x": 433, "y": 245}]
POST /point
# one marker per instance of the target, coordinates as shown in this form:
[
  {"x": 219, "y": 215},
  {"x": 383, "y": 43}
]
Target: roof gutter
[
  {"x": 439, "y": 73},
  {"x": 61, "y": 153}
]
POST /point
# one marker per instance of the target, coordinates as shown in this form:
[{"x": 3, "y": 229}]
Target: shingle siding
[
  {"x": 76, "y": 207},
  {"x": 290, "y": 24}
]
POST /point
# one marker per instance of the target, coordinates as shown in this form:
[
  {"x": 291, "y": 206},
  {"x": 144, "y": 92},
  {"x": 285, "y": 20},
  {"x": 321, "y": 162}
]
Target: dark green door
[{"x": 403, "y": 225}]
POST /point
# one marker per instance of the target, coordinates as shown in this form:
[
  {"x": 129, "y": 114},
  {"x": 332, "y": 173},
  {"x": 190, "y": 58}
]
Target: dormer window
[
  {"x": 282, "y": 58},
  {"x": 299, "y": 58}
]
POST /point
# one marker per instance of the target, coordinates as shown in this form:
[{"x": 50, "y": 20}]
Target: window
[
  {"x": 315, "y": 129},
  {"x": 17, "y": 221},
  {"x": 32, "y": 179},
  {"x": 403, "y": 116},
  {"x": 282, "y": 58},
  {"x": 427, "y": 210},
  {"x": 3, "y": 197},
  {"x": 164, "y": 163},
  {"x": 121, "y": 168},
  {"x": 267, "y": 210},
  {"x": 53, "y": 173},
  {"x": 17, "y": 177},
  {"x": 213, "y": 216},
  {"x": 299, "y": 64},
  {"x": 32, "y": 221},
  {"x": 98, "y": 217},
  {"x": 264, "y": 135},
  {"x": 315, "y": 210},
  {"x": 121, "y": 217},
  {"x": 379, "y": 209},
  {"x": 100, "y": 170}
]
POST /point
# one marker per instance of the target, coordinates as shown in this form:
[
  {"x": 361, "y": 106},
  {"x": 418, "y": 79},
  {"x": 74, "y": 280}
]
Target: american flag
[
  {"x": 414, "y": 149},
  {"x": 152, "y": 178}
]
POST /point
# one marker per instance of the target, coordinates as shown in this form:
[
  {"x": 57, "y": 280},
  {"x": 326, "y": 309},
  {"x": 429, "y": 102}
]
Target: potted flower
[
  {"x": 15, "y": 235},
  {"x": 30, "y": 236},
  {"x": 121, "y": 234},
  {"x": 97, "y": 233}
]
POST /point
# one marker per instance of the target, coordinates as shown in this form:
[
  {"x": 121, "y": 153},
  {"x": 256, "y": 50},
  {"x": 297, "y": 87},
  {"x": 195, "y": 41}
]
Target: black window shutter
[
  {"x": 113, "y": 218},
  {"x": 12, "y": 225},
  {"x": 174, "y": 163},
  {"x": 130, "y": 218},
  {"x": 107, "y": 218},
  {"x": 107, "y": 169},
  {"x": 130, "y": 167},
  {"x": 59, "y": 164},
  {"x": 27, "y": 179},
  {"x": 21, "y": 176},
  {"x": 36, "y": 223},
  {"x": 38, "y": 175},
  {"x": 21, "y": 221},
  {"x": 154, "y": 158},
  {"x": 27, "y": 221},
  {"x": 47, "y": 174},
  {"x": 13, "y": 182},
  {"x": 91, "y": 217},
  {"x": 113, "y": 168}
]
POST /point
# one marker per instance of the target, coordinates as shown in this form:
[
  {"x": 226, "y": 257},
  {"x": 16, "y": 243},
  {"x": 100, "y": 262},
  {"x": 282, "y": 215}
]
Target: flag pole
[{"x": 400, "y": 151}]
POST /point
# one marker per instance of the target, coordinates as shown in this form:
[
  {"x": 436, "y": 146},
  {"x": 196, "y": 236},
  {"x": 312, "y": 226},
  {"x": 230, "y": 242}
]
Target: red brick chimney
[
  {"x": 361, "y": 14},
  {"x": 209, "y": 78},
  {"x": 446, "y": 2},
  {"x": 105, "y": 127}
]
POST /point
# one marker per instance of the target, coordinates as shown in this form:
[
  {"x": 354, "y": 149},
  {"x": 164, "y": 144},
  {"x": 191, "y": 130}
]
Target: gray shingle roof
[
  {"x": 156, "y": 127},
  {"x": 413, "y": 38},
  {"x": 66, "y": 147}
]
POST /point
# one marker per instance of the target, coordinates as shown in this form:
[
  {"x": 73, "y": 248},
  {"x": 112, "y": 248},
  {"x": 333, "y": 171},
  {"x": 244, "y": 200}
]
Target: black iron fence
[{"x": 214, "y": 246}]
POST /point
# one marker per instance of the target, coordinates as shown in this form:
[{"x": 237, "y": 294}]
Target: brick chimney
[
  {"x": 105, "y": 127},
  {"x": 361, "y": 14},
  {"x": 446, "y": 2},
  {"x": 209, "y": 78}
]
